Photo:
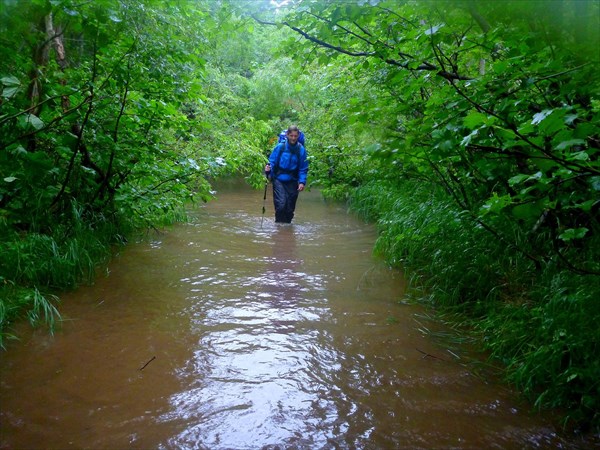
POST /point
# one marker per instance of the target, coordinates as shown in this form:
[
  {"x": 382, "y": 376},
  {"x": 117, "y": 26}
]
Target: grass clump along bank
[
  {"x": 36, "y": 265},
  {"x": 540, "y": 322}
]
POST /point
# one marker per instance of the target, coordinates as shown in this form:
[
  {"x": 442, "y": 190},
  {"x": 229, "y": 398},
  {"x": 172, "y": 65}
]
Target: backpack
[{"x": 282, "y": 137}]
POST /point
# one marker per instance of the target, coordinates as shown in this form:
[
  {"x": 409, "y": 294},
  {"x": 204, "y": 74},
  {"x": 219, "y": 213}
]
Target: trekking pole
[{"x": 264, "y": 202}]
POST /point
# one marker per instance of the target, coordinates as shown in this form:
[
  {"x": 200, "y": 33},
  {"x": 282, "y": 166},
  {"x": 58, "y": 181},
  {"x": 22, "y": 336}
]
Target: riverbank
[
  {"x": 540, "y": 323},
  {"x": 36, "y": 266}
]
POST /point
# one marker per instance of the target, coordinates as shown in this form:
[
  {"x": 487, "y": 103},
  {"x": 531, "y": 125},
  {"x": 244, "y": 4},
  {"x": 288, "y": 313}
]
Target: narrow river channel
[{"x": 229, "y": 332}]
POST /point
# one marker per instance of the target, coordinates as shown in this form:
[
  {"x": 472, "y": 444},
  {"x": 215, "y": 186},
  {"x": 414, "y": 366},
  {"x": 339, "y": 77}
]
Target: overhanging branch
[
  {"x": 424, "y": 66},
  {"x": 316, "y": 40}
]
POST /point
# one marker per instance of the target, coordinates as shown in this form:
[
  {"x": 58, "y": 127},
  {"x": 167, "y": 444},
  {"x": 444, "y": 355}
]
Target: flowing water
[{"x": 230, "y": 332}]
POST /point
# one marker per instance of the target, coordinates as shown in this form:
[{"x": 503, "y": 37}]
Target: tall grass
[
  {"x": 37, "y": 264},
  {"x": 60, "y": 252},
  {"x": 551, "y": 346},
  {"x": 457, "y": 261},
  {"x": 541, "y": 323}
]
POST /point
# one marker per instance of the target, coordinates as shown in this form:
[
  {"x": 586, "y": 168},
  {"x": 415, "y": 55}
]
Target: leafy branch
[{"x": 423, "y": 66}]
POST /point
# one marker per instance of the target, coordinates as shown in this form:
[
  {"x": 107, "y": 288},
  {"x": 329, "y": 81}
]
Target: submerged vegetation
[{"x": 467, "y": 130}]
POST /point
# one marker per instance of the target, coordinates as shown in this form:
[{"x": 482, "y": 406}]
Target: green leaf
[
  {"x": 474, "y": 119},
  {"x": 518, "y": 179},
  {"x": 528, "y": 211},
  {"x": 500, "y": 67},
  {"x": 467, "y": 139},
  {"x": 504, "y": 133},
  {"x": 543, "y": 163},
  {"x": 10, "y": 81},
  {"x": 10, "y": 179},
  {"x": 571, "y": 142},
  {"x": 573, "y": 233},
  {"x": 39, "y": 159},
  {"x": 537, "y": 118},
  {"x": 549, "y": 121},
  {"x": 17, "y": 150},
  {"x": 11, "y": 86},
  {"x": 587, "y": 205},
  {"x": 433, "y": 29},
  {"x": 579, "y": 156},
  {"x": 29, "y": 120},
  {"x": 526, "y": 128},
  {"x": 372, "y": 148},
  {"x": 495, "y": 204},
  {"x": 9, "y": 92}
]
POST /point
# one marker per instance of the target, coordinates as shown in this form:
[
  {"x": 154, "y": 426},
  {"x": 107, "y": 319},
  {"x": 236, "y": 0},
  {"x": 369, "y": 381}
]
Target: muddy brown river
[{"x": 229, "y": 332}]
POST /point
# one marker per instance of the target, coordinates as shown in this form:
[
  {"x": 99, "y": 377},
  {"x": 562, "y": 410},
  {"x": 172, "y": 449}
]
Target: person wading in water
[{"x": 288, "y": 169}]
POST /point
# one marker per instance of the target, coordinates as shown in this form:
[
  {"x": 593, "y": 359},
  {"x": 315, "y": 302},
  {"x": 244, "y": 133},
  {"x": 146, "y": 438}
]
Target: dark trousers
[{"x": 285, "y": 194}]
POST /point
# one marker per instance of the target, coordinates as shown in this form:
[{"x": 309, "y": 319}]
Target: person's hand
[{"x": 300, "y": 186}]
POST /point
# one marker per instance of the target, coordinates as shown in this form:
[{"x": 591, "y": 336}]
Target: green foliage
[
  {"x": 150, "y": 102},
  {"x": 477, "y": 109},
  {"x": 542, "y": 328},
  {"x": 458, "y": 262},
  {"x": 492, "y": 107},
  {"x": 96, "y": 141},
  {"x": 550, "y": 344}
]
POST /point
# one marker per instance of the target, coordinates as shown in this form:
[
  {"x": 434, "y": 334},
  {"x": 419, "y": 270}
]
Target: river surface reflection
[{"x": 229, "y": 332}]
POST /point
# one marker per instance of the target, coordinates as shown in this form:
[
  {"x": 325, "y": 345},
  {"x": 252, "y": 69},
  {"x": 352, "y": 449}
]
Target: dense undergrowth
[
  {"x": 113, "y": 115},
  {"x": 540, "y": 323}
]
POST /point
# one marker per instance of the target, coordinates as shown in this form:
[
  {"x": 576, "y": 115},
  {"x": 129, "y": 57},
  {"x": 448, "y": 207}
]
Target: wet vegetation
[{"x": 468, "y": 131}]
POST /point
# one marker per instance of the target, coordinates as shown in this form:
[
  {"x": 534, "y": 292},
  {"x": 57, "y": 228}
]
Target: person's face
[{"x": 292, "y": 137}]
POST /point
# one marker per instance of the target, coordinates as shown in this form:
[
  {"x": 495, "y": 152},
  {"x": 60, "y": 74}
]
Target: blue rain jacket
[{"x": 293, "y": 164}]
